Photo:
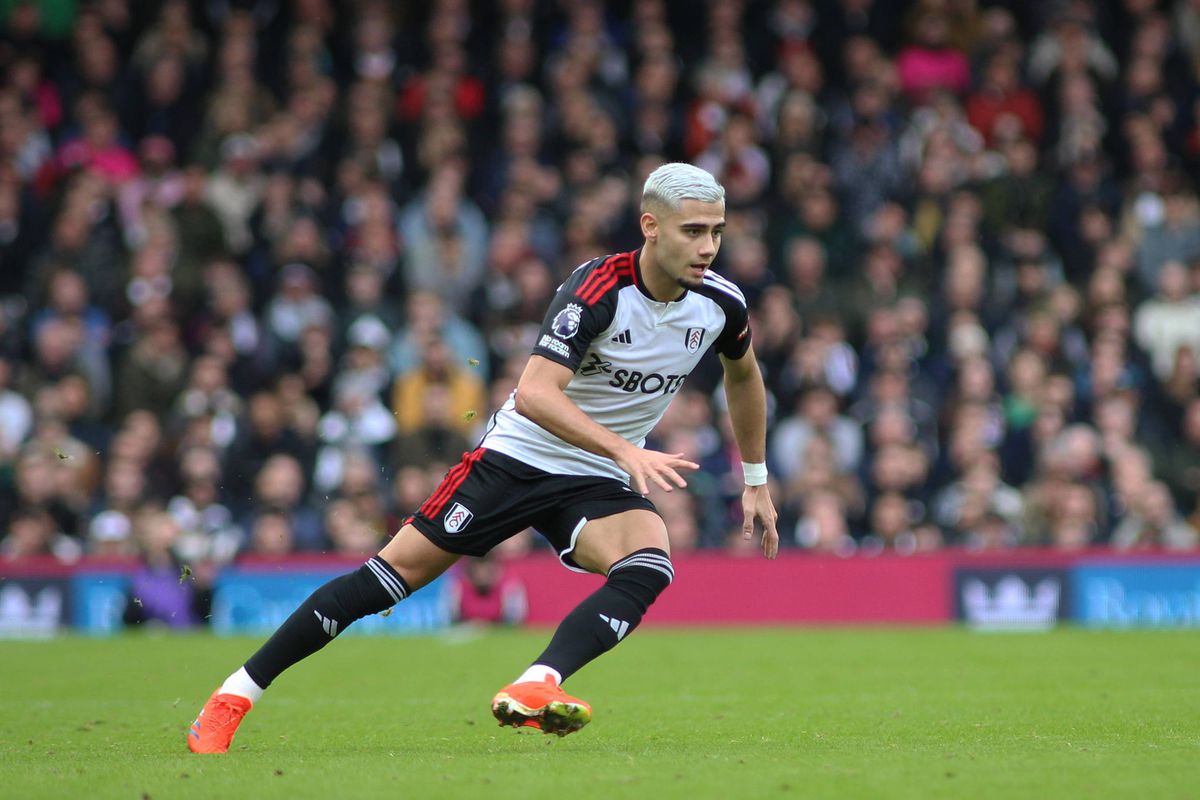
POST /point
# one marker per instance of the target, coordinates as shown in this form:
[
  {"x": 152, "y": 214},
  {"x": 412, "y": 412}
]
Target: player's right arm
[
  {"x": 580, "y": 311},
  {"x": 540, "y": 398}
]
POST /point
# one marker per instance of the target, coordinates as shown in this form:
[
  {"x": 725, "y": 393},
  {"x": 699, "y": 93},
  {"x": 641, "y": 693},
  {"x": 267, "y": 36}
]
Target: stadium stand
[{"x": 266, "y": 268}]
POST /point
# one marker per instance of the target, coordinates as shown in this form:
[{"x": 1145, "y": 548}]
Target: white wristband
[{"x": 754, "y": 474}]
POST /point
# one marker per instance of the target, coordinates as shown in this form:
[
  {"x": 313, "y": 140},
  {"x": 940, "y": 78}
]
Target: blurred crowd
[{"x": 267, "y": 267}]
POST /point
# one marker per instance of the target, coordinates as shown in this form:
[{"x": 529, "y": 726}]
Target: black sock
[
  {"x": 328, "y": 611},
  {"x": 608, "y": 614}
]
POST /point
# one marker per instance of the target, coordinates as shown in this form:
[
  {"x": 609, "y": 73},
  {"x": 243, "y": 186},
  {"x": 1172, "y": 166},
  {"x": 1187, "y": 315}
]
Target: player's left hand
[{"x": 757, "y": 505}]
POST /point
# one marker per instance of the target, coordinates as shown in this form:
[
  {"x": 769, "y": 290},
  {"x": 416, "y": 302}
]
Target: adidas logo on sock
[
  {"x": 623, "y": 337},
  {"x": 620, "y": 627},
  {"x": 330, "y": 625}
]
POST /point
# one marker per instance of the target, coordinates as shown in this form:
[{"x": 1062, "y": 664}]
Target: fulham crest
[
  {"x": 457, "y": 518},
  {"x": 693, "y": 339}
]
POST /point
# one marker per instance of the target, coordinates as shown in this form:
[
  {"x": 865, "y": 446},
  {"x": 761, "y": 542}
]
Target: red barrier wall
[
  {"x": 716, "y": 588},
  {"x": 719, "y": 589}
]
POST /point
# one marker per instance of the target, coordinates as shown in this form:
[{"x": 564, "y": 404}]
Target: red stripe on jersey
[
  {"x": 454, "y": 479},
  {"x": 625, "y": 267},
  {"x": 606, "y": 276},
  {"x": 599, "y": 291},
  {"x": 598, "y": 275}
]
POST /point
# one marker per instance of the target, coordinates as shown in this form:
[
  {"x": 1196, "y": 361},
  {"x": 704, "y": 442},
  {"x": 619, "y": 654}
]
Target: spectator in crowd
[
  {"x": 229, "y": 328},
  {"x": 1169, "y": 321},
  {"x": 1165, "y": 226},
  {"x": 350, "y": 533},
  {"x": 893, "y": 527},
  {"x": 279, "y": 490},
  {"x": 110, "y": 535},
  {"x": 439, "y": 366},
  {"x": 207, "y": 395},
  {"x": 976, "y": 501},
  {"x": 296, "y": 306},
  {"x": 367, "y": 299},
  {"x": 931, "y": 61},
  {"x": 427, "y": 318},
  {"x": 1153, "y": 522},
  {"x": 805, "y": 261},
  {"x": 16, "y": 414},
  {"x": 207, "y": 531},
  {"x": 235, "y": 190},
  {"x": 816, "y": 415},
  {"x": 262, "y": 433},
  {"x": 153, "y": 372},
  {"x": 125, "y": 487},
  {"x": 485, "y": 591},
  {"x": 1176, "y": 459},
  {"x": 823, "y": 528},
  {"x": 164, "y": 590},
  {"x": 1001, "y": 108},
  {"x": 439, "y": 438},
  {"x": 271, "y": 536},
  {"x": 32, "y": 533},
  {"x": 446, "y": 239},
  {"x": 358, "y": 421}
]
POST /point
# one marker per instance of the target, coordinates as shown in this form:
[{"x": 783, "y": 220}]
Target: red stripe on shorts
[
  {"x": 451, "y": 476},
  {"x": 454, "y": 479}
]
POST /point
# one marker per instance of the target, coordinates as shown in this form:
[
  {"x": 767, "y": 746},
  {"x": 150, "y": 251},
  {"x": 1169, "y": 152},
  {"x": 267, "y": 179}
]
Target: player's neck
[{"x": 657, "y": 283}]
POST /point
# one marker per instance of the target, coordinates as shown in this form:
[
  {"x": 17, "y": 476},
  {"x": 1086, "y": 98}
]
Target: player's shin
[
  {"x": 373, "y": 587},
  {"x": 610, "y": 613}
]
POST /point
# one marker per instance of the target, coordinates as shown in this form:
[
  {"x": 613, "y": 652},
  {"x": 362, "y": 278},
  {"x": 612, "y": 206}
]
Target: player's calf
[
  {"x": 595, "y": 626},
  {"x": 373, "y": 587},
  {"x": 610, "y": 613}
]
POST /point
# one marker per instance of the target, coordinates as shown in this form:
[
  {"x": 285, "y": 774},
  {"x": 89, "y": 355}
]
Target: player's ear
[{"x": 649, "y": 226}]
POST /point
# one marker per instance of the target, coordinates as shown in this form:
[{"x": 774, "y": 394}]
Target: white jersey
[{"x": 630, "y": 353}]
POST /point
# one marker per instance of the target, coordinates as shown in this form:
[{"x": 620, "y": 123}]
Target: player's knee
[{"x": 643, "y": 575}]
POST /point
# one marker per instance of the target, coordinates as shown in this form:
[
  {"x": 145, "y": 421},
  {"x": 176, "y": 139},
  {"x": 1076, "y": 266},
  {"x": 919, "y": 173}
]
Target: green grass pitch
[{"x": 786, "y": 713}]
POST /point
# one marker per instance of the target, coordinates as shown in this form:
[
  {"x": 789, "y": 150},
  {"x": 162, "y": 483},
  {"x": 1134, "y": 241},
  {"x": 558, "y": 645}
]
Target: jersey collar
[{"x": 641, "y": 285}]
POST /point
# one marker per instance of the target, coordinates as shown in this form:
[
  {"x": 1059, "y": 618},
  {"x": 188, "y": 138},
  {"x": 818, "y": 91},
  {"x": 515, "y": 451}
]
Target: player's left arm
[{"x": 747, "y": 399}]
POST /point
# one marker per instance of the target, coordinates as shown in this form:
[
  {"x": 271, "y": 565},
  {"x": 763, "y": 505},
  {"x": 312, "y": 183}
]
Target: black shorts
[{"x": 489, "y": 497}]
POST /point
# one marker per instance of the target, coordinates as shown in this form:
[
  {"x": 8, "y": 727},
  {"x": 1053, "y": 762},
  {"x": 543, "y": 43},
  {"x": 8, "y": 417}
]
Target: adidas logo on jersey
[
  {"x": 623, "y": 337},
  {"x": 620, "y": 627}
]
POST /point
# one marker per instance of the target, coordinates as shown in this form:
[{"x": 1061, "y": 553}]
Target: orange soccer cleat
[
  {"x": 542, "y": 705},
  {"x": 218, "y": 721}
]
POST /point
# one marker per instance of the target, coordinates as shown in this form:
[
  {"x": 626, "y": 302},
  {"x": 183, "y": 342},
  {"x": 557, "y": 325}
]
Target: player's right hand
[{"x": 646, "y": 466}]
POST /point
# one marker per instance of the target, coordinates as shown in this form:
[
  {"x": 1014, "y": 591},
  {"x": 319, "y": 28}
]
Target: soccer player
[{"x": 565, "y": 455}]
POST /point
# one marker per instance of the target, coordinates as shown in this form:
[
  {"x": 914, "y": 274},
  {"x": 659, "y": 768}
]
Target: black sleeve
[
  {"x": 734, "y": 340},
  {"x": 571, "y": 322}
]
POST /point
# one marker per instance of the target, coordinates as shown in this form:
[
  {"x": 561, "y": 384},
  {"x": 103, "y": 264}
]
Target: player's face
[{"x": 688, "y": 240}]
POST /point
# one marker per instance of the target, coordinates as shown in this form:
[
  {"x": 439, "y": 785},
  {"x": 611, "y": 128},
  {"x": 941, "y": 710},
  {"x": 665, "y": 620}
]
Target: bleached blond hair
[{"x": 672, "y": 183}]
